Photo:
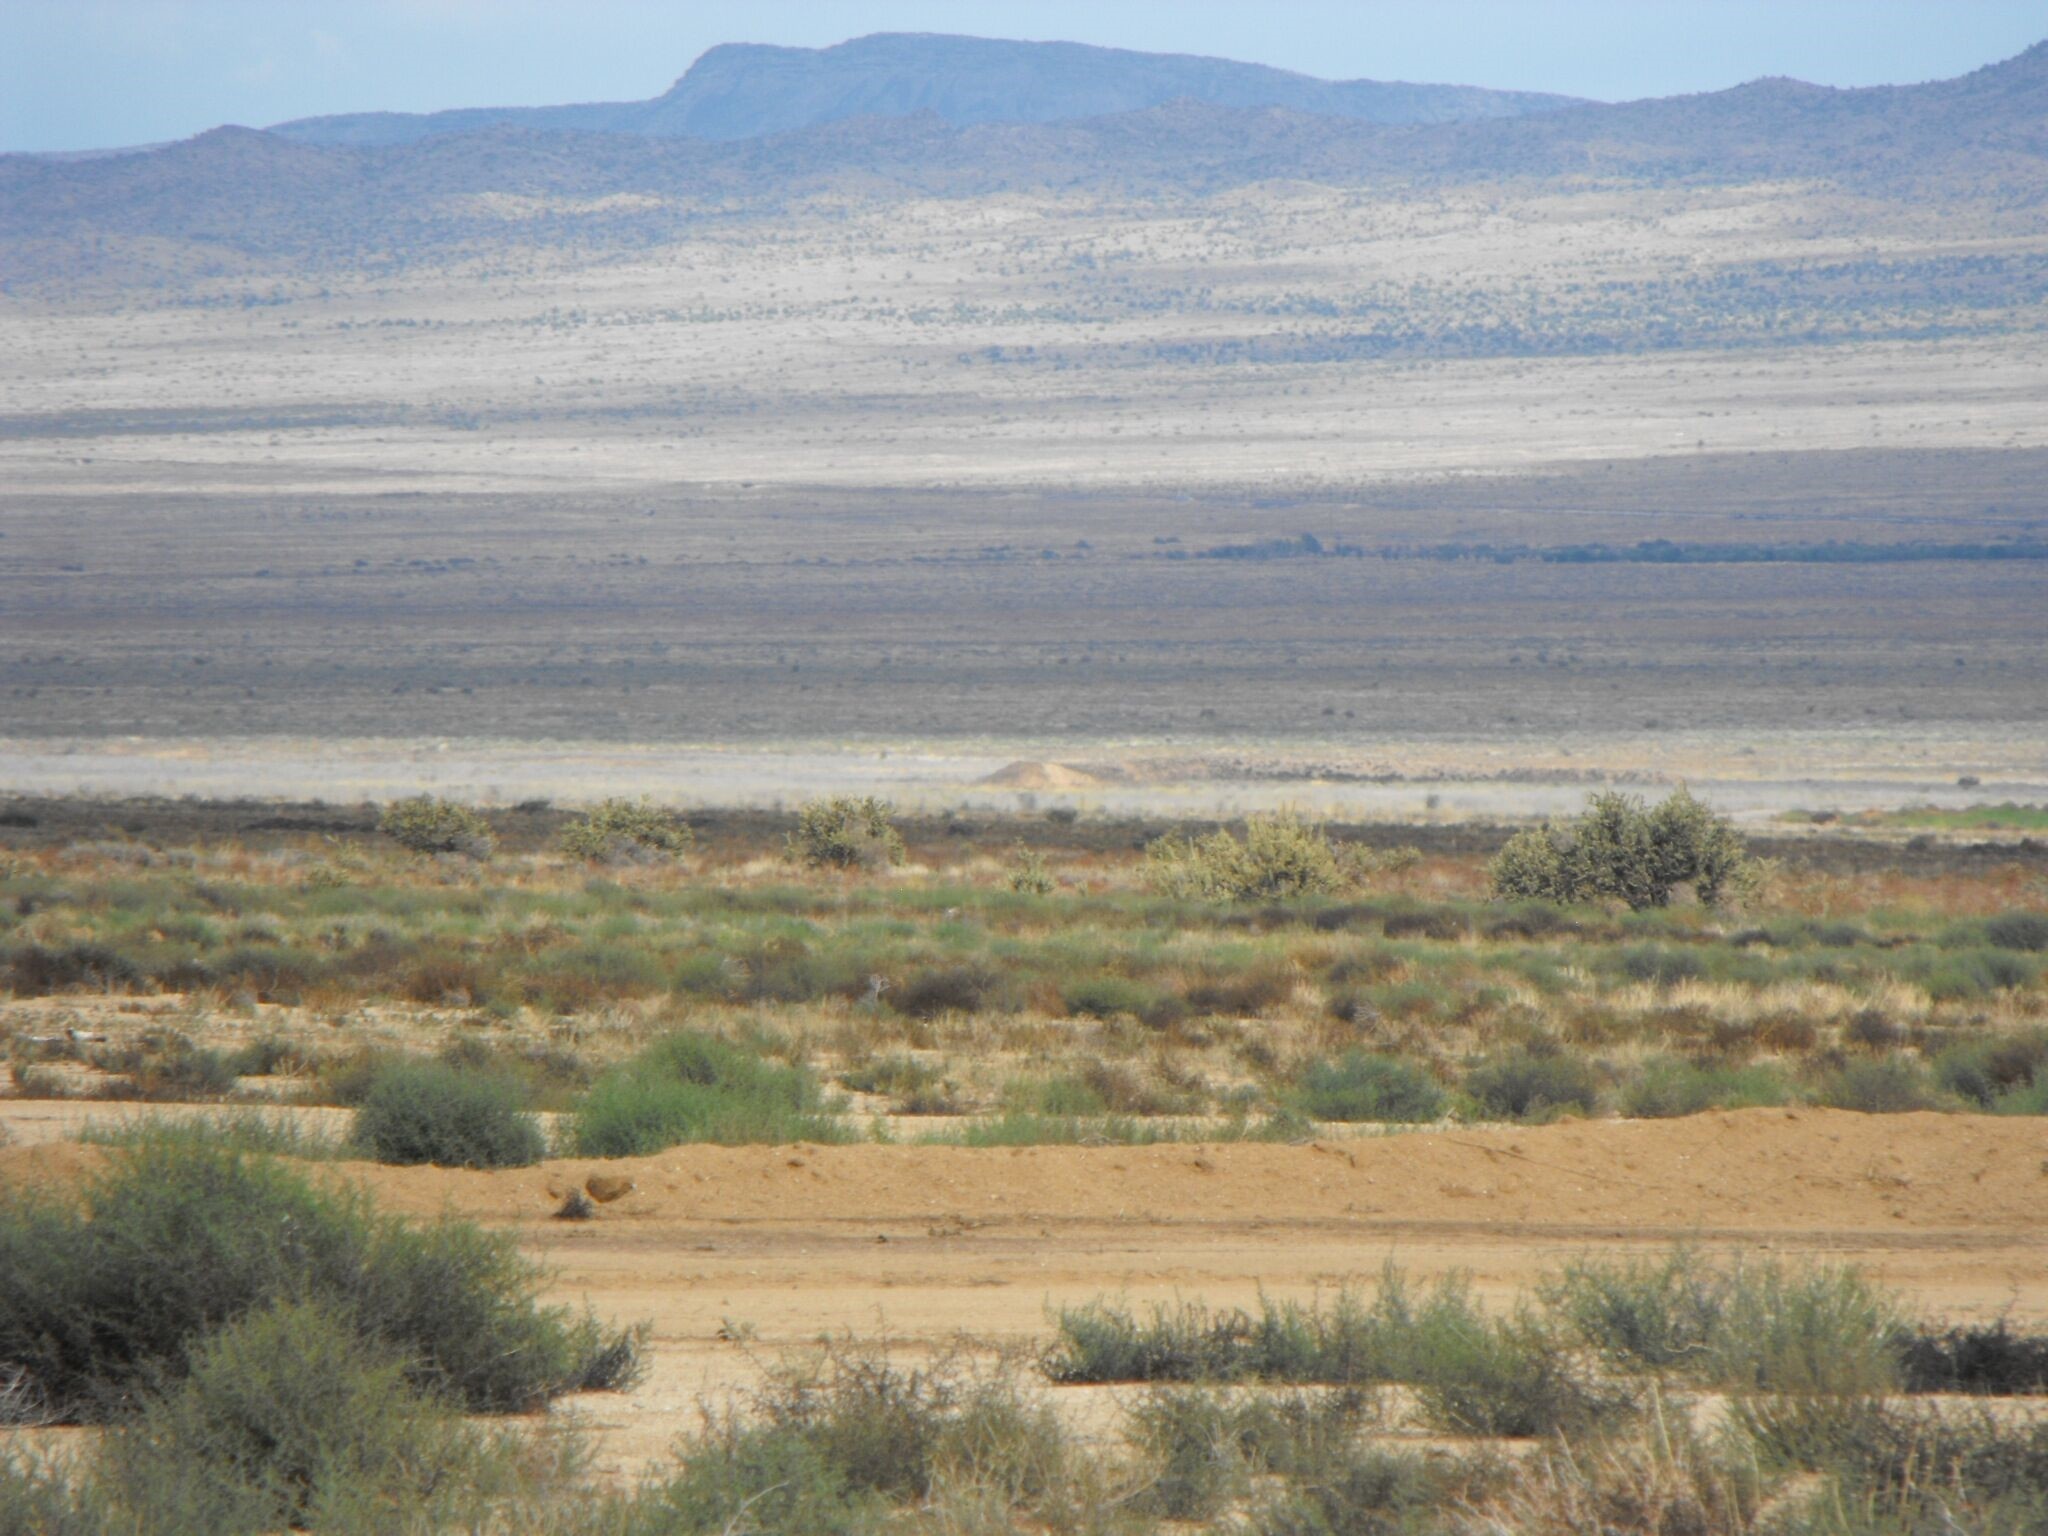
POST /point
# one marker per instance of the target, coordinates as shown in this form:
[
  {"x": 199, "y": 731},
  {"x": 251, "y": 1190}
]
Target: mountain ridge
[{"x": 750, "y": 90}]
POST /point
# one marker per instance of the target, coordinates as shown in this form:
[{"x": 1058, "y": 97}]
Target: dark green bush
[
  {"x": 1623, "y": 850},
  {"x": 1361, "y": 1086},
  {"x": 35, "y": 970},
  {"x": 626, "y": 831},
  {"x": 1986, "y": 1072},
  {"x": 1534, "y": 1085},
  {"x": 1104, "y": 997},
  {"x": 1659, "y": 965},
  {"x": 845, "y": 832},
  {"x": 1886, "y": 1085},
  {"x": 427, "y": 824},
  {"x": 2018, "y": 930},
  {"x": 287, "y": 1418},
  {"x": 180, "y": 1235},
  {"x": 1990, "y": 1359},
  {"x": 430, "y": 1112},
  {"x": 926, "y": 994}
]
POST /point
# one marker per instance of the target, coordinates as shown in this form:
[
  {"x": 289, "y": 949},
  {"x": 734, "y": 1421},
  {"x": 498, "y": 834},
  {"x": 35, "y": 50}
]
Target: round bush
[
  {"x": 429, "y": 1112},
  {"x": 429, "y": 825},
  {"x": 626, "y": 831},
  {"x": 1363, "y": 1086},
  {"x": 289, "y": 1418},
  {"x": 1529, "y": 1086}
]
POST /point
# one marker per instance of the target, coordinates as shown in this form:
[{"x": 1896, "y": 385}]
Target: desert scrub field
[
  {"x": 1673, "y": 1393},
  {"x": 765, "y": 991}
]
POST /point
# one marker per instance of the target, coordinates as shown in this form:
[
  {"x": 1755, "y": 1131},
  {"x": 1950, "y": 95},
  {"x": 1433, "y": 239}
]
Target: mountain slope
[
  {"x": 747, "y": 90},
  {"x": 1982, "y": 137}
]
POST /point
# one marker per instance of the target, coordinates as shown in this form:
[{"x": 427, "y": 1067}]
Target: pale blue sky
[{"x": 89, "y": 73}]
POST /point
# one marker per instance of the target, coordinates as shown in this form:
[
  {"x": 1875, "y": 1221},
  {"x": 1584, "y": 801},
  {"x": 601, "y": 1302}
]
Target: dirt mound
[{"x": 1025, "y": 774}]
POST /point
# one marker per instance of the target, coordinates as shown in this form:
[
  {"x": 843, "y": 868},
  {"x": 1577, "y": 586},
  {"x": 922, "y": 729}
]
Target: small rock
[{"x": 604, "y": 1188}]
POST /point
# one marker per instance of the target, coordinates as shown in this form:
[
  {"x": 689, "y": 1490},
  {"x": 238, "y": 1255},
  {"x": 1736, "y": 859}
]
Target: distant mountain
[
  {"x": 237, "y": 196},
  {"x": 748, "y": 90}
]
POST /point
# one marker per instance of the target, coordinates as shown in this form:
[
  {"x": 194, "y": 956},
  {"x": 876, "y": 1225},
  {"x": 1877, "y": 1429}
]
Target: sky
[{"x": 81, "y": 74}]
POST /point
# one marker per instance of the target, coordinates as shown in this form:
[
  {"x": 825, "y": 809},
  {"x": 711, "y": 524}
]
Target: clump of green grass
[
  {"x": 1472, "y": 1374},
  {"x": 1741, "y": 1327},
  {"x": 692, "y": 1087},
  {"x": 1360, "y": 1085},
  {"x": 245, "y": 1131},
  {"x": 431, "y": 1112},
  {"x": 180, "y": 1235}
]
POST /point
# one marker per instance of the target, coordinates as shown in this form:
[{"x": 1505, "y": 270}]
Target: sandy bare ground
[
  {"x": 1843, "y": 770},
  {"x": 733, "y": 1253}
]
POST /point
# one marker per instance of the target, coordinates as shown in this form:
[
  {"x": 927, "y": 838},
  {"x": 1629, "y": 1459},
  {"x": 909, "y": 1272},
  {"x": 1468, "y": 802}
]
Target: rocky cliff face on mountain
[{"x": 747, "y": 90}]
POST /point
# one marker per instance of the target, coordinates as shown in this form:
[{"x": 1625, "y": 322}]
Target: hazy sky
[{"x": 89, "y": 73}]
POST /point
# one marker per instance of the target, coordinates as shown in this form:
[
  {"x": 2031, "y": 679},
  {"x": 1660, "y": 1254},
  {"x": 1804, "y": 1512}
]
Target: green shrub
[
  {"x": 1974, "y": 973},
  {"x": 626, "y": 831},
  {"x": 427, "y": 824},
  {"x": 1887, "y": 1085},
  {"x": 2018, "y": 930},
  {"x": 1669, "y": 1086},
  {"x": 429, "y": 1112},
  {"x": 1660, "y": 966},
  {"x": 845, "y": 832},
  {"x": 1619, "y": 849},
  {"x": 37, "y": 1498},
  {"x": 1105, "y": 997},
  {"x": 1534, "y": 1085},
  {"x": 927, "y": 994},
  {"x": 829, "y": 1449},
  {"x": 1822, "y": 1329},
  {"x": 1987, "y": 1072},
  {"x": 179, "y": 1236},
  {"x": 1472, "y": 1374},
  {"x": 1509, "y": 1376},
  {"x": 1658, "y": 1315},
  {"x": 1028, "y": 874},
  {"x": 285, "y": 1418},
  {"x": 693, "y": 1087},
  {"x": 1362, "y": 1086},
  {"x": 1283, "y": 855}
]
